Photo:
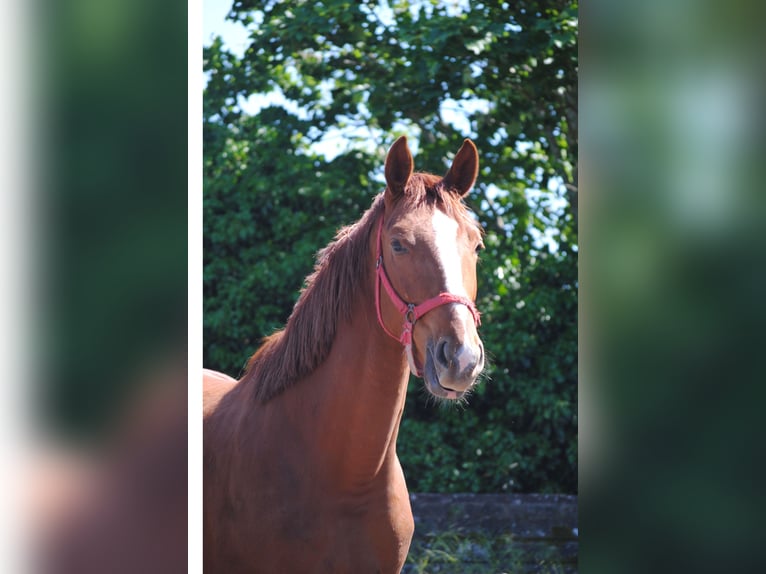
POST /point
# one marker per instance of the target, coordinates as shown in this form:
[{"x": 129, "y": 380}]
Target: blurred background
[
  {"x": 99, "y": 114},
  {"x": 673, "y": 283}
]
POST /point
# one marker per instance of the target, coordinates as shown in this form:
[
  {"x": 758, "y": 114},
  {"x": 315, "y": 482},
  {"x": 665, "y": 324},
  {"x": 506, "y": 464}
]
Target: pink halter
[{"x": 410, "y": 311}]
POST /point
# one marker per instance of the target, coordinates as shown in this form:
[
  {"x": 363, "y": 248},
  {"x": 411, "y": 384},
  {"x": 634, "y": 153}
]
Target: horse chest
[
  {"x": 368, "y": 539},
  {"x": 288, "y": 518}
]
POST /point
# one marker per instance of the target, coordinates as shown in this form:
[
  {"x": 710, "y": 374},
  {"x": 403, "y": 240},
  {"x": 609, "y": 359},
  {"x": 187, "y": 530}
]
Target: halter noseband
[{"x": 410, "y": 311}]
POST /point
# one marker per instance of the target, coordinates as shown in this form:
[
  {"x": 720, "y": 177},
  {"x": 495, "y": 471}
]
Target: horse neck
[{"x": 357, "y": 396}]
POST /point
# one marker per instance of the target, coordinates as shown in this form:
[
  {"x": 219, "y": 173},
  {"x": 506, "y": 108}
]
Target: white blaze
[
  {"x": 445, "y": 239},
  {"x": 447, "y": 255}
]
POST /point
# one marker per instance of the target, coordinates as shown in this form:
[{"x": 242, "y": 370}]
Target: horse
[{"x": 300, "y": 466}]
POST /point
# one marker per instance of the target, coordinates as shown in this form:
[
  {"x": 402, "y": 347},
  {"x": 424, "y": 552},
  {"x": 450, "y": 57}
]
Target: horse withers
[{"x": 300, "y": 465}]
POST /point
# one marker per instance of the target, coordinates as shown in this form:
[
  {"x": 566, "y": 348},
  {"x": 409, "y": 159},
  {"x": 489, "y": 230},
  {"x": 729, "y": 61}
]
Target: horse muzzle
[{"x": 451, "y": 367}]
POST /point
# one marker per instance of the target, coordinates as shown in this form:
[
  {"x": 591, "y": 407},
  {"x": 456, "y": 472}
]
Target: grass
[{"x": 455, "y": 552}]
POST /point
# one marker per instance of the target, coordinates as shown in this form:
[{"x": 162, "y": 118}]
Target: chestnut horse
[{"x": 301, "y": 472}]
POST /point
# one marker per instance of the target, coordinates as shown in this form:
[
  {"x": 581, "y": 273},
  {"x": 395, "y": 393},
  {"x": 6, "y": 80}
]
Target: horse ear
[
  {"x": 464, "y": 169},
  {"x": 398, "y": 167}
]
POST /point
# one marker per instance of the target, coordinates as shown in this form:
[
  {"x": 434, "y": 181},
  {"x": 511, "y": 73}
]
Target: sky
[{"x": 214, "y": 23}]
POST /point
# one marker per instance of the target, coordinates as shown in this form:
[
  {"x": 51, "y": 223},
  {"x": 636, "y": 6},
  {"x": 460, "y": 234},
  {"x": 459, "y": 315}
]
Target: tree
[{"x": 362, "y": 73}]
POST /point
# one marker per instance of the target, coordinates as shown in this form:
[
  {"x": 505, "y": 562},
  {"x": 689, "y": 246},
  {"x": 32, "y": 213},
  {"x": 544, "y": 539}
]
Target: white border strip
[{"x": 18, "y": 259}]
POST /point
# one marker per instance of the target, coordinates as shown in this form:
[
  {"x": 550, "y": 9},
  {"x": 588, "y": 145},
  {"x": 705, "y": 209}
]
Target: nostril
[{"x": 441, "y": 353}]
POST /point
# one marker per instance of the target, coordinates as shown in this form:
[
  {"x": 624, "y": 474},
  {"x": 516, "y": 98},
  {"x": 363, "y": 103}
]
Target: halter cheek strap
[{"x": 409, "y": 311}]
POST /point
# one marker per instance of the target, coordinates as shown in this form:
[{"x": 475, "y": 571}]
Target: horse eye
[{"x": 398, "y": 247}]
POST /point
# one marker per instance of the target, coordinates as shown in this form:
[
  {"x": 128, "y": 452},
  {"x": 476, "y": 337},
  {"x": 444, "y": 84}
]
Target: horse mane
[{"x": 295, "y": 351}]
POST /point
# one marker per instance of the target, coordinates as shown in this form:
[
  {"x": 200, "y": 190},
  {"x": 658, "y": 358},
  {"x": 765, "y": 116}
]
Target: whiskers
[{"x": 460, "y": 403}]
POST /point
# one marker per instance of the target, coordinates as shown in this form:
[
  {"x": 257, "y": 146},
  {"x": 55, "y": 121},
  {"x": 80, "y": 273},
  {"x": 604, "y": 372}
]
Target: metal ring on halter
[{"x": 409, "y": 315}]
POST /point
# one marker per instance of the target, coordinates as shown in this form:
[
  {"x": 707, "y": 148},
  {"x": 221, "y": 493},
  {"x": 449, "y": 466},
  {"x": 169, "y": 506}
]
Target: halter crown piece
[{"x": 410, "y": 311}]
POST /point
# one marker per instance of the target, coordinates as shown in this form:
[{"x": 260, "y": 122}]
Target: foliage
[{"x": 361, "y": 73}]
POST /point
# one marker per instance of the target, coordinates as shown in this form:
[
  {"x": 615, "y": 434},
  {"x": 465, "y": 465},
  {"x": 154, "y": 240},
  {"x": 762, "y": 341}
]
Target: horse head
[{"x": 427, "y": 250}]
